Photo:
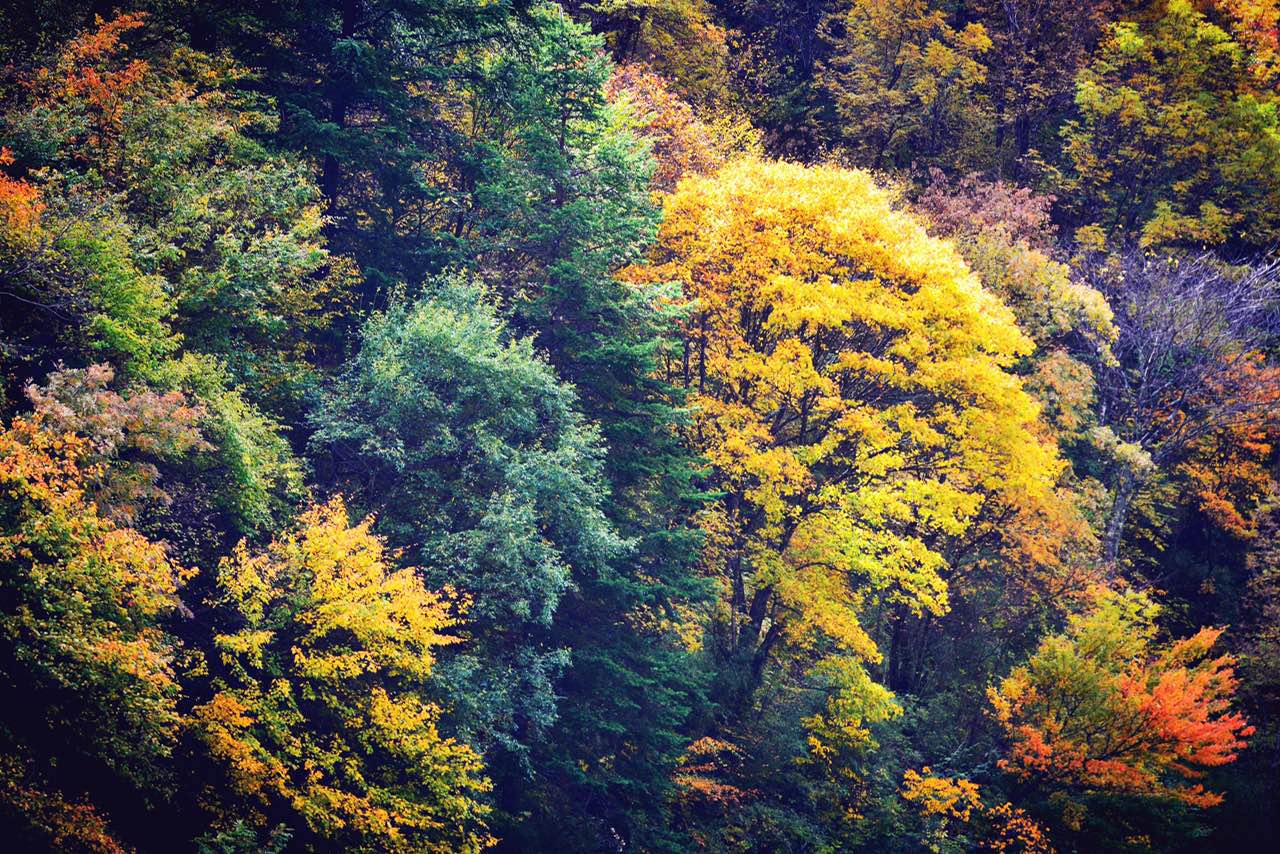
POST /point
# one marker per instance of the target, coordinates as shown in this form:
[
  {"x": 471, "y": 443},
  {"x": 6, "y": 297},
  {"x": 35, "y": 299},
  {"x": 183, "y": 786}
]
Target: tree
[
  {"x": 474, "y": 456},
  {"x": 683, "y": 142},
  {"x": 1248, "y": 813},
  {"x": 681, "y": 39},
  {"x": 775, "y": 49},
  {"x": 1187, "y": 363},
  {"x": 1230, "y": 467},
  {"x": 123, "y": 435},
  {"x": 1261, "y": 632},
  {"x": 87, "y": 676},
  {"x": 325, "y": 709},
  {"x": 73, "y": 273},
  {"x": 172, "y": 246},
  {"x": 1103, "y": 708},
  {"x": 1032, "y": 557},
  {"x": 20, "y": 209},
  {"x": 904, "y": 82},
  {"x": 189, "y": 232},
  {"x": 364, "y": 91},
  {"x": 956, "y": 817},
  {"x": 562, "y": 201},
  {"x": 848, "y": 375},
  {"x": 1176, "y": 137},
  {"x": 1005, "y": 234},
  {"x": 1037, "y": 47}
]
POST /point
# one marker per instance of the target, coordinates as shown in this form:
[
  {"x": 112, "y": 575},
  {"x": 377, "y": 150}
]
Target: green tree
[
  {"x": 1176, "y": 140},
  {"x": 174, "y": 246},
  {"x": 474, "y": 456},
  {"x": 369, "y": 92},
  {"x": 563, "y": 204}
]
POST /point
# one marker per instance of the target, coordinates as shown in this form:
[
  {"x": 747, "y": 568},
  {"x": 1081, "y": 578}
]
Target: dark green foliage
[
  {"x": 474, "y": 458},
  {"x": 367, "y": 90},
  {"x": 572, "y": 206}
]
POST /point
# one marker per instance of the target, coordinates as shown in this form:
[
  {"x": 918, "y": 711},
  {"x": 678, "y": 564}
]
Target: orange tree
[
  {"x": 88, "y": 689},
  {"x": 1102, "y": 708}
]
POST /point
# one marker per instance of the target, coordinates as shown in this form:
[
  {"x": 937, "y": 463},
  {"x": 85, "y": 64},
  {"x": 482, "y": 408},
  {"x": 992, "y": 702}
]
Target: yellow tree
[
  {"x": 954, "y": 814},
  {"x": 850, "y": 384},
  {"x": 324, "y": 711}
]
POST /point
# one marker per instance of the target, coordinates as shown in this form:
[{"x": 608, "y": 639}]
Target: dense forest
[{"x": 639, "y": 425}]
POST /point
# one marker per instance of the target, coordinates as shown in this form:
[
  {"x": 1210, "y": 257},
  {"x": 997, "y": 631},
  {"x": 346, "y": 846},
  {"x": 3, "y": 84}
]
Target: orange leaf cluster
[
  {"x": 941, "y": 796},
  {"x": 20, "y": 207},
  {"x": 65, "y": 825},
  {"x": 121, "y": 434},
  {"x": 1013, "y": 830},
  {"x": 1230, "y": 469},
  {"x": 700, "y": 769},
  {"x": 682, "y": 143},
  {"x": 91, "y": 70},
  {"x": 1098, "y": 708}
]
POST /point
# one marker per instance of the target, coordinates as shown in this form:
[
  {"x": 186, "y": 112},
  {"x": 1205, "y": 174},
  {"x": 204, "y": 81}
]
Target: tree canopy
[{"x": 639, "y": 425}]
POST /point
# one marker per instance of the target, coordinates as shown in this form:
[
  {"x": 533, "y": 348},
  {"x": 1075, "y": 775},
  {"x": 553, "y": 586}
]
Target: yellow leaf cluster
[
  {"x": 953, "y": 797},
  {"x": 328, "y": 711},
  {"x": 851, "y": 386}
]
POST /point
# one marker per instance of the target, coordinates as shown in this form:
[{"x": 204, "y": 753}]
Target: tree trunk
[
  {"x": 1000, "y": 120},
  {"x": 1126, "y": 488},
  {"x": 340, "y": 102}
]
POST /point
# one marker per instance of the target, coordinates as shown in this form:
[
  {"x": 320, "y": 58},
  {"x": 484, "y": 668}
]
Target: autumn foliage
[
  {"x": 82, "y": 635},
  {"x": 1104, "y": 707},
  {"x": 324, "y": 708},
  {"x": 640, "y": 425},
  {"x": 850, "y": 384},
  {"x": 955, "y": 813}
]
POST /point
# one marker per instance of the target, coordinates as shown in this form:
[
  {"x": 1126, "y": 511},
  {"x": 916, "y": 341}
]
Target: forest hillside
[{"x": 639, "y": 426}]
